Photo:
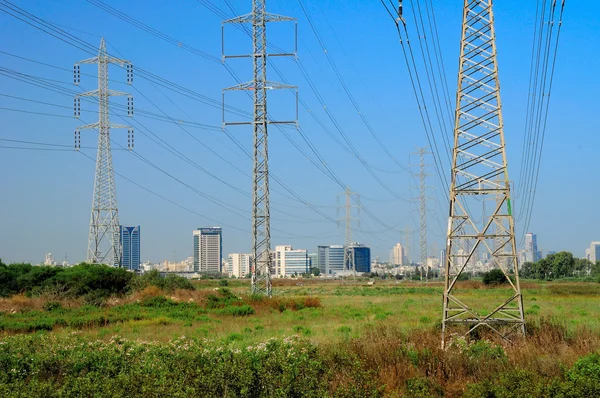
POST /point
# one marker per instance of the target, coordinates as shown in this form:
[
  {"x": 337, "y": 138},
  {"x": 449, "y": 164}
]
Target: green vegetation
[
  {"x": 494, "y": 277},
  {"x": 92, "y": 281},
  {"x": 561, "y": 265},
  {"x": 321, "y": 338},
  {"x": 383, "y": 362}
]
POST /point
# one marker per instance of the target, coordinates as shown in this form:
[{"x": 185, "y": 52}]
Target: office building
[
  {"x": 130, "y": 246},
  {"x": 289, "y": 262},
  {"x": 208, "y": 252},
  {"x": 398, "y": 254},
  {"x": 238, "y": 265},
  {"x": 362, "y": 258},
  {"x": 313, "y": 260},
  {"x": 531, "y": 250},
  {"x": 331, "y": 259},
  {"x": 594, "y": 252}
]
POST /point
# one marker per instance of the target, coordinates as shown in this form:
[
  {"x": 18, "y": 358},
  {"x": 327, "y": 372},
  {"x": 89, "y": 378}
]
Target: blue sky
[{"x": 46, "y": 195}]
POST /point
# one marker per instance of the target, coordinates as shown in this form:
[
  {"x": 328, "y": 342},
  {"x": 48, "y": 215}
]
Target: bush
[
  {"x": 223, "y": 299},
  {"x": 223, "y": 282},
  {"x": 494, "y": 277},
  {"x": 36, "y": 366},
  {"x": 167, "y": 283},
  {"x": 583, "y": 379},
  {"x": 52, "y": 306},
  {"x": 243, "y": 310}
]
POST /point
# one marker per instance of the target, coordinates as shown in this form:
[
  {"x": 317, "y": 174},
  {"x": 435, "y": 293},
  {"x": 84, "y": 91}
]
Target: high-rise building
[
  {"x": 208, "y": 250},
  {"x": 331, "y": 259},
  {"x": 399, "y": 254},
  {"x": 594, "y": 252},
  {"x": 313, "y": 260},
  {"x": 49, "y": 259},
  {"x": 290, "y": 262},
  {"x": 238, "y": 265},
  {"x": 130, "y": 244},
  {"x": 362, "y": 258},
  {"x": 531, "y": 250}
]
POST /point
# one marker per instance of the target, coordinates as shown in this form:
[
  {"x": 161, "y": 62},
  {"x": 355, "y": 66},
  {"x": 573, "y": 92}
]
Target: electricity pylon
[
  {"x": 423, "y": 209},
  {"x": 104, "y": 245},
  {"x": 349, "y": 260},
  {"x": 261, "y": 214},
  {"x": 479, "y": 167}
]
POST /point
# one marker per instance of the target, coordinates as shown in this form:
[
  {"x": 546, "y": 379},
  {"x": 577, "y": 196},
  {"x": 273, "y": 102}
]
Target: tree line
[
  {"x": 94, "y": 282},
  {"x": 560, "y": 265}
]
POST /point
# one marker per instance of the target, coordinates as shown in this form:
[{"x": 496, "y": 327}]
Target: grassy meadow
[{"x": 314, "y": 338}]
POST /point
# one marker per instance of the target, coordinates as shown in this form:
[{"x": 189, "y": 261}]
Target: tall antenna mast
[
  {"x": 261, "y": 213},
  {"x": 479, "y": 169},
  {"x": 104, "y": 245}
]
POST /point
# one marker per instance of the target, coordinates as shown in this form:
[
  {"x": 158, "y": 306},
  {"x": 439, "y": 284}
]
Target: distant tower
[
  {"x": 104, "y": 245},
  {"x": 479, "y": 169},
  {"x": 261, "y": 211},
  {"x": 349, "y": 260},
  {"x": 423, "y": 210}
]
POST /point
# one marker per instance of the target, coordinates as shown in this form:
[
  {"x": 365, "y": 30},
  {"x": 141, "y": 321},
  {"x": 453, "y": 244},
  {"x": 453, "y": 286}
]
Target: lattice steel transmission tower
[
  {"x": 261, "y": 216},
  {"x": 104, "y": 245},
  {"x": 479, "y": 169},
  {"x": 422, "y": 174},
  {"x": 349, "y": 260}
]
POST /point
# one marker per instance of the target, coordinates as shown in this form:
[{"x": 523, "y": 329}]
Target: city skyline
[{"x": 65, "y": 178}]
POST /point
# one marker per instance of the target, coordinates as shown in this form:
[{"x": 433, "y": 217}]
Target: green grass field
[
  {"x": 365, "y": 340},
  {"x": 346, "y": 309}
]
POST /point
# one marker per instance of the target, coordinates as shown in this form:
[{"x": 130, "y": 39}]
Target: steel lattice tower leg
[
  {"x": 261, "y": 216},
  {"x": 104, "y": 246},
  {"x": 479, "y": 167}
]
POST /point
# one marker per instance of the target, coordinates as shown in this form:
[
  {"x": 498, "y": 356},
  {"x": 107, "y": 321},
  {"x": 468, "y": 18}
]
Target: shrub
[
  {"x": 52, "y": 306},
  {"x": 167, "y": 283},
  {"x": 157, "y": 302},
  {"x": 223, "y": 299},
  {"x": 242, "y": 310},
  {"x": 422, "y": 388},
  {"x": 223, "y": 282},
  {"x": 494, "y": 277},
  {"x": 583, "y": 379}
]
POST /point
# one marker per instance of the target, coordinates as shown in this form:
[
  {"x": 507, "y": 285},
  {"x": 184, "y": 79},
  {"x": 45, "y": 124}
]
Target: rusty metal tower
[{"x": 479, "y": 170}]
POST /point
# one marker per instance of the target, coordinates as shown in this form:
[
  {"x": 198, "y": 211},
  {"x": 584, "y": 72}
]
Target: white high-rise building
[
  {"x": 49, "y": 259},
  {"x": 238, "y": 265},
  {"x": 399, "y": 254},
  {"x": 289, "y": 261},
  {"x": 208, "y": 250},
  {"x": 594, "y": 252}
]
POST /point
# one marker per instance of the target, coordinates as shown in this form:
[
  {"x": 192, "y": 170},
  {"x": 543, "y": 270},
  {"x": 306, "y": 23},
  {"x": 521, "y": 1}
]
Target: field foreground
[{"x": 319, "y": 339}]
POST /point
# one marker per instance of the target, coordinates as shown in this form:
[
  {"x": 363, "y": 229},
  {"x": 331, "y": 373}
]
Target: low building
[
  {"x": 290, "y": 261},
  {"x": 238, "y": 265}
]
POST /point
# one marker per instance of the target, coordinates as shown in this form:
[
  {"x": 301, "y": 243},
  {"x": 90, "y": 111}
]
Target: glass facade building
[
  {"x": 362, "y": 258},
  {"x": 531, "y": 250},
  {"x": 130, "y": 245},
  {"x": 331, "y": 259}
]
